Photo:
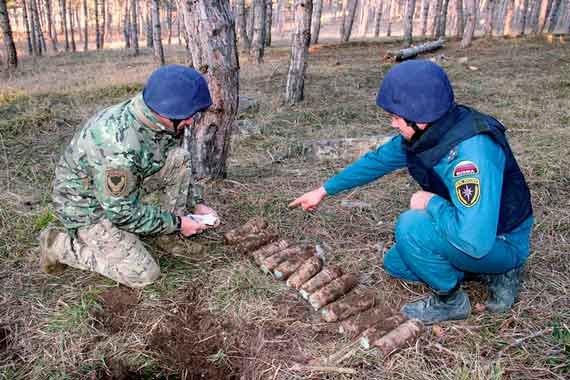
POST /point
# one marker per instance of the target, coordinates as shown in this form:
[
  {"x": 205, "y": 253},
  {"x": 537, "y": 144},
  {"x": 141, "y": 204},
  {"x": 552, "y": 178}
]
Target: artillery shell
[
  {"x": 268, "y": 250},
  {"x": 288, "y": 267},
  {"x": 253, "y": 226},
  {"x": 405, "y": 333},
  {"x": 321, "y": 279},
  {"x": 333, "y": 291},
  {"x": 269, "y": 263},
  {"x": 254, "y": 241},
  {"x": 373, "y": 317},
  {"x": 354, "y": 302},
  {"x": 307, "y": 270}
]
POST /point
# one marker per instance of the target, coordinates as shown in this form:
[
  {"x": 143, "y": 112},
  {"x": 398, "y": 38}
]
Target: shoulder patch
[
  {"x": 453, "y": 153},
  {"x": 465, "y": 168},
  {"x": 116, "y": 182},
  {"x": 468, "y": 191}
]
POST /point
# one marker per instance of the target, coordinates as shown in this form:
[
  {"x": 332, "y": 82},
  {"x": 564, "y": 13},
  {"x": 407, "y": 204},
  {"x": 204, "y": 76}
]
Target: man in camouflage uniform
[{"x": 99, "y": 180}]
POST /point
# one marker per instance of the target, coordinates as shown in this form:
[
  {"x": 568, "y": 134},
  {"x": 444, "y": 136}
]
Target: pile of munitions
[{"x": 335, "y": 294}]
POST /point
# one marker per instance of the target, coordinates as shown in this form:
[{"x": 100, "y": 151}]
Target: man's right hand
[
  {"x": 190, "y": 227},
  {"x": 309, "y": 201}
]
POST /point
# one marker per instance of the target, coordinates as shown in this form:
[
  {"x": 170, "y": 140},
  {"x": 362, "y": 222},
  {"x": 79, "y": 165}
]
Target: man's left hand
[
  {"x": 420, "y": 200},
  {"x": 203, "y": 209}
]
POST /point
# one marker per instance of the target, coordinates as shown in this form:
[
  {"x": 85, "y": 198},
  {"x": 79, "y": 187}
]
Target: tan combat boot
[{"x": 50, "y": 243}]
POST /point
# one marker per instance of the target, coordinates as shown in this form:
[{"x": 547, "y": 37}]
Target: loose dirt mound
[{"x": 116, "y": 306}]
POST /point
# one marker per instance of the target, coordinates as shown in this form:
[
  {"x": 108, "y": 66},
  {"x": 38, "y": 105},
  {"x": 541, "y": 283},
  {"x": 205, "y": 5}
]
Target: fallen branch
[
  {"x": 520, "y": 341},
  {"x": 402, "y": 55},
  {"x": 312, "y": 368}
]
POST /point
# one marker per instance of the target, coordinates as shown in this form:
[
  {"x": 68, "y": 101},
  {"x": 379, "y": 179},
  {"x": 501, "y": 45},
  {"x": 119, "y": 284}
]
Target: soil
[
  {"x": 116, "y": 306},
  {"x": 4, "y": 339}
]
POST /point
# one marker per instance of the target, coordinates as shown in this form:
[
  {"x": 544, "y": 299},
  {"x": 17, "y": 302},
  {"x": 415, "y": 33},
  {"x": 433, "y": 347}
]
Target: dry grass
[{"x": 69, "y": 328}]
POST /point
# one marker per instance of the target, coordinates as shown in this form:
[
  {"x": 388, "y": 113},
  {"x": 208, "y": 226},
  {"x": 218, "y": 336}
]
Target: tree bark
[
  {"x": 316, "y": 21},
  {"x": 268, "y": 21},
  {"x": 103, "y": 23},
  {"x": 460, "y": 25},
  {"x": 97, "y": 26},
  {"x": 37, "y": 27},
  {"x": 280, "y": 16},
  {"x": 442, "y": 20},
  {"x": 250, "y": 20},
  {"x": 554, "y": 13},
  {"x": 378, "y": 17},
  {"x": 12, "y": 56},
  {"x": 63, "y": 19},
  {"x": 210, "y": 27},
  {"x": 244, "y": 41},
  {"x": 27, "y": 27},
  {"x": 134, "y": 28},
  {"x": 425, "y": 12},
  {"x": 508, "y": 31},
  {"x": 352, "y": 4},
  {"x": 148, "y": 25},
  {"x": 109, "y": 22},
  {"x": 156, "y": 34},
  {"x": 127, "y": 25},
  {"x": 85, "y": 26},
  {"x": 258, "y": 41},
  {"x": 51, "y": 30},
  {"x": 472, "y": 11},
  {"x": 524, "y": 17},
  {"x": 364, "y": 8},
  {"x": 294, "y": 91},
  {"x": 545, "y": 11},
  {"x": 71, "y": 28},
  {"x": 409, "y": 22},
  {"x": 403, "y": 54},
  {"x": 390, "y": 11},
  {"x": 489, "y": 13},
  {"x": 169, "y": 21},
  {"x": 436, "y": 17}
]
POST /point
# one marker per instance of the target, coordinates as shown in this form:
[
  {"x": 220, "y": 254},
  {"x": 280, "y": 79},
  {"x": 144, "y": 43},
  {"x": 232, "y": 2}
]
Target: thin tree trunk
[
  {"x": 409, "y": 22},
  {"x": 280, "y": 15},
  {"x": 37, "y": 26},
  {"x": 545, "y": 12},
  {"x": 51, "y": 30},
  {"x": 27, "y": 27},
  {"x": 378, "y": 17},
  {"x": 489, "y": 16},
  {"x": 294, "y": 90},
  {"x": 524, "y": 17},
  {"x": 12, "y": 56},
  {"x": 554, "y": 13},
  {"x": 156, "y": 34},
  {"x": 109, "y": 22},
  {"x": 71, "y": 28},
  {"x": 258, "y": 41},
  {"x": 250, "y": 20},
  {"x": 85, "y": 26},
  {"x": 442, "y": 20},
  {"x": 472, "y": 10},
  {"x": 134, "y": 28},
  {"x": 436, "y": 17},
  {"x": 97, "y": 26},
  {"x": 244, "y": 41},
  {"x": 364, "y": 5},
  {"x": 169, "y": 21},
  {"x": 509, "y": 18},
  {"x": 127, "y": 25},
  {"x": 316, "y": 21},
  {"x": 63, "y": 16},
  {"x": 148, "y": 23},
  {"x": 425, "y": 12},
  {"x": 460, "y": 24},
  {"x": 268, "y": 21},
  {"x": 389, "y": 12},
  {"x": 103, "y": 23},
  {"x": 352, "y": 4},
  {"x": 211, "y": 26}
]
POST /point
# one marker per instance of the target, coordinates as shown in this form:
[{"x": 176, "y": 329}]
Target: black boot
[{"x": 503, "y": 289}]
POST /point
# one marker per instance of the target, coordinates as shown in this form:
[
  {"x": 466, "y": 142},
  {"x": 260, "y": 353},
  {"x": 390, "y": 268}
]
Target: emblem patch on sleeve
[
  {"x": 453, "y": 153},
  {"x": 116, "y": 182},
  {"x": 467, "y": 190},
  {"x": 465, "y": 168}
]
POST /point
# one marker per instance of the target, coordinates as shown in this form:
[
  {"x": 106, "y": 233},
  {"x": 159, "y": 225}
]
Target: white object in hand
[{"x": 207, "y": 219}]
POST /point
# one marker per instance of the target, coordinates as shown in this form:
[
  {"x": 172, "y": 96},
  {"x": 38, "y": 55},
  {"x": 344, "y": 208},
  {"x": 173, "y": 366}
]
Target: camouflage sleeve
[{"x": 117, "y": 188}]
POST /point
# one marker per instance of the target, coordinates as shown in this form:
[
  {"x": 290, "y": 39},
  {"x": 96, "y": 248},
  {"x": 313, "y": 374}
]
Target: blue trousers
[{"x": 422, "y": 254}]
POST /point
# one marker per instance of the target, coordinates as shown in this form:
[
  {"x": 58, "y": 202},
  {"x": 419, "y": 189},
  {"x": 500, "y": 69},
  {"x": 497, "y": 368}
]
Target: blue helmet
[
  {"x": 176, "y": 92},
  {"x": 417, "y": 91}
]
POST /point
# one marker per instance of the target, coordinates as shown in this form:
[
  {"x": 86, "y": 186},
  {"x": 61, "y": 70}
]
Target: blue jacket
[{"x": 465, "y": 159}]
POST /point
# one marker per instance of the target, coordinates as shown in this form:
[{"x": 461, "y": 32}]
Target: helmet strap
[{"x": 417, "y": 131}]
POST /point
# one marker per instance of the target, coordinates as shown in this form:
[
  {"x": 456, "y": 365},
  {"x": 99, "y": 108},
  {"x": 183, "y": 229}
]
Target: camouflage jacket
[{"x": 101, "y": 172}]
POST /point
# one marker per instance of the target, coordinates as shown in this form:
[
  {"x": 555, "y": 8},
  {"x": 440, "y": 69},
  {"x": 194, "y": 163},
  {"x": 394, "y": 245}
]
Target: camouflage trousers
[{"x": 118, "y": 254}]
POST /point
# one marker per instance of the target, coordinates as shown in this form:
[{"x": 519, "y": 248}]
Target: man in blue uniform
[{"x": 473, "y": 214}]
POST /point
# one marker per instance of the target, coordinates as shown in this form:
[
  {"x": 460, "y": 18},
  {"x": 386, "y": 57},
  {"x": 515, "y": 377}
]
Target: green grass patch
[{"x": 73, "y": 317}]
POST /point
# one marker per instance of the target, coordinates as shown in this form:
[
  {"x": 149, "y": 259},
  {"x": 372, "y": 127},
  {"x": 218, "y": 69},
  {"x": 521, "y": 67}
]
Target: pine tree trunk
[
  {"x": 316, "y": 21},
  {"x": 148, "y": 23},
  {"x": 409, "y": 22},
  {"x": 134, "y": 28},
  {"x": 472, "y": 11},
  {"x": 352, "y": 4},
  {"x": 27, "y": 27},
  {"x": 442, "y": 20},
  {"x": 63, "y": 19},
  {"x": 436, "y": 17},
  {"x": 524, "y": 17},
  {"x": 169, "y": 22},
  {"x": 37, "y": 27},
  {"x": 214, "y": 53},
  {"x": 109, "y": 22},
  {"x": 489, "y": 14},
  {"x": 85, "y": 26},
  {"x": 127, "y": 25},
  {"x": 545, "y": 12},
  {"x": 460, "y": 25},
  {"x": 12, "y": 56},
  {"x": 268, "y": 21},
  {"x": 258, "y": 41},
  {"x": 244, "y": 41},
  {"x": 509, "y": 16},
  {"x": 294, "y": 90},
  {"x": 378, "y": 17},
  {"x": 156, "y": 34},
  {"x": 71, "y": 27},
  {"x": 280, "y": 15},
  {"x": 554, "y": 13},
  {"x": 51, "y": 30},
  {"x": 250, "y": 20},
  {"x": 97, "y": 26},
  {"x": 425, "y": 12},
  {"x": 390, "y": 11},
  {"x": 103, "y": 23}
]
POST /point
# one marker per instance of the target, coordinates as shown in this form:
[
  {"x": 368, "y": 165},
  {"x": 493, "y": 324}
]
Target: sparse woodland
[{"x": 288, "y": 77}]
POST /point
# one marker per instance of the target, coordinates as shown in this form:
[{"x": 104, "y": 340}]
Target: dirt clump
[{"x": 116, "y": 307}]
